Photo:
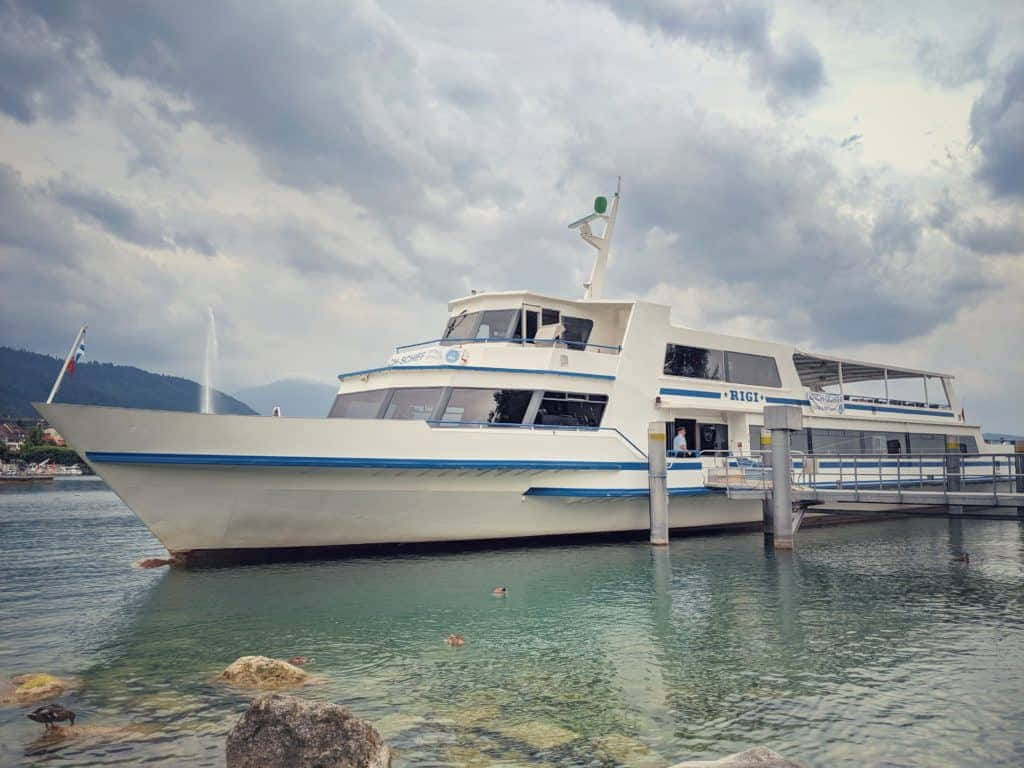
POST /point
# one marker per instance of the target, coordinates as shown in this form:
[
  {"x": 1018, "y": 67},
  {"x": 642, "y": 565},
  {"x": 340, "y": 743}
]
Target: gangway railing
[{"x": 960, "y": 479}]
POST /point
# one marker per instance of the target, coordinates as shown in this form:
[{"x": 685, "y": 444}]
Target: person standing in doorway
[{"x": 679, "y": 443}]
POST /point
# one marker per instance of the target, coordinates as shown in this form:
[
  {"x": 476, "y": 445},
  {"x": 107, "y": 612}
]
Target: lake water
[{"x": 868, "y": 646}]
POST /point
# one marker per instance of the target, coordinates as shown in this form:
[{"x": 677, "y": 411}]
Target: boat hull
[{"x": 218, "y": 484}]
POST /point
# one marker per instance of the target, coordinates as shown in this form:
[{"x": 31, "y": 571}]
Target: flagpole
[{"x": 63, "y": 368}]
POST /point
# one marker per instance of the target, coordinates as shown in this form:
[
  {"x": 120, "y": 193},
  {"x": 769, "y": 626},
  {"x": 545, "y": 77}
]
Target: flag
[{"x": 78, "y": 354}]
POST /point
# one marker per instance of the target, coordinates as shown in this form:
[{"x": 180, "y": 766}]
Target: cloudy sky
[{"x": 847, "y": 177}]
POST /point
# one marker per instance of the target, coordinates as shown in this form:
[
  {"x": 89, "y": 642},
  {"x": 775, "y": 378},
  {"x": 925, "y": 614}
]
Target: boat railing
[
  {"x": 556, "y": 343},
  {"x": 452, "y": 423}
]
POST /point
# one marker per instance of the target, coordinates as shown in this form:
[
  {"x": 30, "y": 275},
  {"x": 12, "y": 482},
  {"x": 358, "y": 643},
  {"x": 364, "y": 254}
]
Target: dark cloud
[
  {"x": 952, "y": 66},
  {"x": 303, "y": 250},
  {"x": 896, "y": 228},
  {"x": 30, "y": 225},
  {"x": 109, "y": 213},
  {"x": 41, "y": 74},
  {"x": 993, "y": 239},
  {"x": 125, "y": 222},
  {"x": 794, "y": 70},
  {"x": 850, "y": 141},
  {"x": 997, "y": 129}
]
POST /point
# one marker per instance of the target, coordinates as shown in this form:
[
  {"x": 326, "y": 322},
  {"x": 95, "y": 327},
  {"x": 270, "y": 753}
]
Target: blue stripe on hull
[
  {"x": 346, "y": 462},
  {"x": 617, "y": 493}
]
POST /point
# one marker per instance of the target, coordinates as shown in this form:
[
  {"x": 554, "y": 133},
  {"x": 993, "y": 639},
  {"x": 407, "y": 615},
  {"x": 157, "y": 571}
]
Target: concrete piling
[
  {"x": 657, "y": 475},
  {"x": 783, "y": 421}
]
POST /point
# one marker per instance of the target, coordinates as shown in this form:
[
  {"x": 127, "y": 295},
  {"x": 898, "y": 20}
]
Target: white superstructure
[{"x": 525, "y": 417}]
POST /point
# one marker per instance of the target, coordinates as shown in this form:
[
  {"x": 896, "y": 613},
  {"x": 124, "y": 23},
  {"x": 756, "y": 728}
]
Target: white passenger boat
[{"x": 526, "y": 417}]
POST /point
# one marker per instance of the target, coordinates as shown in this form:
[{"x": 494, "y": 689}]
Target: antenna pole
[{"x": 594, "y": 288}]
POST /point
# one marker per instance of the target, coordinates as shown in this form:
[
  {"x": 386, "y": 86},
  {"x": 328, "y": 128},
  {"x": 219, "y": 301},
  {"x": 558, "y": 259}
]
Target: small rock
[
  {"x": 756, "y": 757},
  {"x": 456, "y": 641},
  {"x": 288, "y": 732},
  {"x": 31, "y": 688},
  {"x": 538, "y": 734},
  {"x": 263, "y": 672},
  {"x": 298, "y": 661},
  {"x": 153, "y": 562}
]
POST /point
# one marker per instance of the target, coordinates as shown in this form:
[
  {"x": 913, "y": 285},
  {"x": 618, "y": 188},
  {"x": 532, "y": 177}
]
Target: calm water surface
[{"x": 869, "y": 646}]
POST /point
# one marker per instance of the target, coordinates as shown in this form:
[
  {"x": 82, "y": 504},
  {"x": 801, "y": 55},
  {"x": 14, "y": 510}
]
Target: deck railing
[{"x": 556, "y": 343}]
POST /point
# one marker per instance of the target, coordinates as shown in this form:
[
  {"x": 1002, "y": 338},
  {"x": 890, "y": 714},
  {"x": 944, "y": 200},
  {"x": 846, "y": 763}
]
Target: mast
[{"x": 594, "y": 288}]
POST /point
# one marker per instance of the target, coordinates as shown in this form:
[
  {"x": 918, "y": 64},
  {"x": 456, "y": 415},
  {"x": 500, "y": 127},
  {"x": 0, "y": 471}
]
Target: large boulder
[
  {"x": 288, "y": 732},
  {"x": 756, "y": 757},
  {"x": 263, "y": 672}
]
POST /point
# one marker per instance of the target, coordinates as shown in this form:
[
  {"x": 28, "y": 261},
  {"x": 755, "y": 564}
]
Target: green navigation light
[{"x": 600, "y": 204}]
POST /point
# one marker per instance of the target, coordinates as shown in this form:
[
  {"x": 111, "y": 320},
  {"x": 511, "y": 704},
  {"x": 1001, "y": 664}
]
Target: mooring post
[
  {"x": 783, "y": 421},
  {"x": 1018, "y": 471},
  {"x": 657, "y": 476},
  {"x": 953, "y": 470}
]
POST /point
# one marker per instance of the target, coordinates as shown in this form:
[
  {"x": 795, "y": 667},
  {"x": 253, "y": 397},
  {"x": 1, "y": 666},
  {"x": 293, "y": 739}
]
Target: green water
[{"x": 868, "y": 646}]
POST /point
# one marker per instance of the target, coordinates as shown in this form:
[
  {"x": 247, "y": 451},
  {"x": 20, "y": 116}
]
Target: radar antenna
[{"x": 594, "y": 287}]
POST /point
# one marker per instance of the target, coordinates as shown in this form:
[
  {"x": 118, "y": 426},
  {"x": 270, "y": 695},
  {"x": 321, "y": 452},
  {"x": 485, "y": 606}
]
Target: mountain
[
  {"x": 27, "y": 376},
  {"x": 298, "y": 398}
]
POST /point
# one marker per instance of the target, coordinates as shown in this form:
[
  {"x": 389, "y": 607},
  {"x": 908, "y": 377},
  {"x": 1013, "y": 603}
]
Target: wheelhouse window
[
  {"x": 571, "y": 409},
  {"x": 756, "y": 370},
  {"x": 358, "y": 405},
  {"x": 413, "y": 403},
  {"x": 694, "y": 362},
  {"x": 576, "y": 331},
  {"x": 493, "y": 406},
  {"x": 462, "y": 326}
]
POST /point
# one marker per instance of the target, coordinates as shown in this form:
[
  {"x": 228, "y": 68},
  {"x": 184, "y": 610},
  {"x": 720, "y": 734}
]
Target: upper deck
[{"x": 530, "y": 341}]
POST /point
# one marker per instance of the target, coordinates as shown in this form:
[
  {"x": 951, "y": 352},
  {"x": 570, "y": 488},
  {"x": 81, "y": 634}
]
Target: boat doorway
[
  {"x": 690, "y": 430},
  {"x": 700, "y": 438}
]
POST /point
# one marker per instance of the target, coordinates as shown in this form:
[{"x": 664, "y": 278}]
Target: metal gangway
[{"x": 789, "y": 483}]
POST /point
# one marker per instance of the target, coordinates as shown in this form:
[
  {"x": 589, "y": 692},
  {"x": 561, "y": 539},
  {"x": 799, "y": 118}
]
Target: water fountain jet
[{"x": 209, "y": 360}]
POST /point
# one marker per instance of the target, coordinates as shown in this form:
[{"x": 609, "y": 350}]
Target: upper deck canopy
[{"x": 819, "y": 371}]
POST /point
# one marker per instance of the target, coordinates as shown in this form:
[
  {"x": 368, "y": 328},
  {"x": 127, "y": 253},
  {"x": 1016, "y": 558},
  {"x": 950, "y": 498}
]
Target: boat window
[
  {"x": 921, "y": 442},
  {"x": 694, "y": 362},
  {"x": 495, "y": 406},
  {"x": 549, "y": 316},
  {"x": 757, "y": 370},
  {"x": 413, "y": 403},
  {"x": 832, "y": 441},
  {"x": 358, "y": 405},
  {"x": 497, "y": 323},
  {"x": 576, "y": 331},
  {"x": 964, "y": 443},
  {"x": 713, "y": 437},
  {"x": 571, "y": 409},
  {"x": 462, "y": 325},
  {"x": 531, "y": 325}
]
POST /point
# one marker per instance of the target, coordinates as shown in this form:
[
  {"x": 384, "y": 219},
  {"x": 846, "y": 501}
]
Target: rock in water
[
  {"x": 281, "y": 731},
  {"x": 263, "y": 672},
  {"x": 756, "y": 757},
  {"x": 35, "y": 687}
]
